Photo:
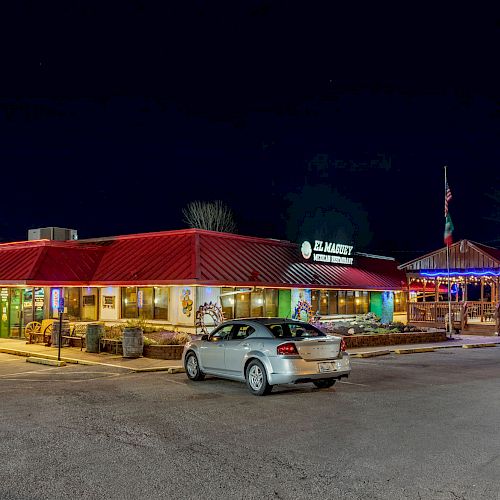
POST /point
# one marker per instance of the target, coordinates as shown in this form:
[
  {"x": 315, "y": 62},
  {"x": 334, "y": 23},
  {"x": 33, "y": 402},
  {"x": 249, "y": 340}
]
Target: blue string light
[{"x": 456, "y": 273}]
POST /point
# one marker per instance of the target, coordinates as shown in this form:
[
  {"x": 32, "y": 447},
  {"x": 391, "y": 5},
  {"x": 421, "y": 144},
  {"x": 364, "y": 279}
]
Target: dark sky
[{"x": 113, "y": 116}]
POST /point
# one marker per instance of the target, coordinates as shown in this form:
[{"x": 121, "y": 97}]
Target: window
[
  {"x": 341, "y": 302},
  {"x": 333, "y": 306},
  {"x": 257, "y": 303},
  {"x": 315, "y": 298},
  {"x": 145, "y": 302},
  {"x": 271, "y": 302},
  {"x": 72, "y": 303},
  {"x": 323, "y": 303},
  {"x": 129, "y": 302},
  {"x": 242, "y": 332},
  {"x": 245, "y": 304},
  {"x": 161, "y": 303},
  {"x": 221, "y": 333},
  {"x": 227, "y": 301},
  {"x": 294, "y": 330},
  {"x": 349, "y": 300},
  {"x": 400, "y": 302},
  {"x": 242, "y": 305},
  {"x": 361, "y": 302}
]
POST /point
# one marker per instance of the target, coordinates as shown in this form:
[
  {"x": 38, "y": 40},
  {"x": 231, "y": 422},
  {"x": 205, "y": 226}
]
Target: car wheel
[
  {"x": 256, "y": 378},
  {"x": 192, "y": 366},
  {"x": 325, "y": 383}
]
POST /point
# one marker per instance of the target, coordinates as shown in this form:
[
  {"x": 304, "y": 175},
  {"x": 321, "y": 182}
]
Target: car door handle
[{"x": 246, "y": 344}]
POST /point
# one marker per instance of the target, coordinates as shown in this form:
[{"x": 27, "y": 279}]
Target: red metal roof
[
  {"x": 241, "y": 260},
  {"x": 188, "y": 256},
  {"x": 159, "y": 258},
  {"x": 47, "y": 262}
]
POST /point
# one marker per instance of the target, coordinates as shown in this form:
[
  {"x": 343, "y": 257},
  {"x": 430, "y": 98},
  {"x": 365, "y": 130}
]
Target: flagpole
[{"x": 450, "y": 319}]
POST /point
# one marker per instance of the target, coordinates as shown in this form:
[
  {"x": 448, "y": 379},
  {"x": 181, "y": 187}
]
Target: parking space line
[
  {"x": 29, "y": 372},
  {"x": 352, "y": 383}
]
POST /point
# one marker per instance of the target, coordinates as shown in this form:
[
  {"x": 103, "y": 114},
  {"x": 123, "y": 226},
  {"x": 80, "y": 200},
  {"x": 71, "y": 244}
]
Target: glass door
[
  {"x": 4, "y": 312},
  {"x": 15, "y": 313}
]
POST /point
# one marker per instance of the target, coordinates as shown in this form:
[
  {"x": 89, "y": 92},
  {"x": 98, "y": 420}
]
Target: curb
[
  {"x": 369, "y": 354},
  {"x": 473, "y": 346},
  {"x": 414, "y": 350},
  {"x": 44, "y": 361},
  {"x": 74, "y": 361},
  {"x": 168, "y": 369}
]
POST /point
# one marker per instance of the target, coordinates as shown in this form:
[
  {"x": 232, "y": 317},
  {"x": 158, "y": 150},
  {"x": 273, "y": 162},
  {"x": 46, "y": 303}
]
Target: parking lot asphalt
[{"x": 414, "y": 426}]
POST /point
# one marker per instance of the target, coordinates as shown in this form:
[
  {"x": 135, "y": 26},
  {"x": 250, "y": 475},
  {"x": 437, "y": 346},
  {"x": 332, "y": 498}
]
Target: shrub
[
  {"x": 182, "y": 338},
  {"x": 148, "y": 341},
  {"x": 113, "y": 332}
]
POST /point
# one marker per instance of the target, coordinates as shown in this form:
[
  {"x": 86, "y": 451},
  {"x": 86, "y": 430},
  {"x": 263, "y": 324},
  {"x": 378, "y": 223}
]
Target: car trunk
[{"x": 315, "y": 349}]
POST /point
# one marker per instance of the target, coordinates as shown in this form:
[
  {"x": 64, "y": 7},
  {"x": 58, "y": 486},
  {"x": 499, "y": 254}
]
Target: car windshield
[{"x": 294, "y": 330}]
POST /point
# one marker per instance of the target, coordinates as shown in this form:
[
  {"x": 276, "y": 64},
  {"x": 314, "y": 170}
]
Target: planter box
[
  {"x": 163, "y": 351},
  {"x": 382, "y": 339}
]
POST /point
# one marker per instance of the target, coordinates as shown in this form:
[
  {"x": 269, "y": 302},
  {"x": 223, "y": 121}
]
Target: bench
[
  {"x": 77, "y": 335},
  {"x": 115, "y": 344}
]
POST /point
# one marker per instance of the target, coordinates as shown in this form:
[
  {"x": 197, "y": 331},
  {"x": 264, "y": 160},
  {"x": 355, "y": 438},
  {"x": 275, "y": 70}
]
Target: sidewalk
[
  {"x": 456, "y": 341},
  {"x": 74, "y": 355}
]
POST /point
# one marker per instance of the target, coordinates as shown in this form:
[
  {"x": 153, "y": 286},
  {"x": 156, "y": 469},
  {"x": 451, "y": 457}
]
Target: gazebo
[{"x": 474, "y": 274}]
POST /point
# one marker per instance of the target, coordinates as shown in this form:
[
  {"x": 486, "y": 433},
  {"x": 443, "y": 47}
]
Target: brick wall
[
  {"x": 163, "y": 351},
  {"x": 393, "y": 339}
]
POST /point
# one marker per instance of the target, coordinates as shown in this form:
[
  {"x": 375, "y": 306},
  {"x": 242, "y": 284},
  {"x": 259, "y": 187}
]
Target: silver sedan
[{"x": 267, "y": 351}]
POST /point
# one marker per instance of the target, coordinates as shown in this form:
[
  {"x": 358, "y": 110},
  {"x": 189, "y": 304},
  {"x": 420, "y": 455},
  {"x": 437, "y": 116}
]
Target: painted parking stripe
[{"x": 353, "y": 383}]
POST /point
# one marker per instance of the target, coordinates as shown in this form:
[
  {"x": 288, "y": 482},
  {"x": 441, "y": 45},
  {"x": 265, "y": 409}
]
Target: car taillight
[
  {"x": 287, "y": 349},
  {"x": 343, "y": 345}
]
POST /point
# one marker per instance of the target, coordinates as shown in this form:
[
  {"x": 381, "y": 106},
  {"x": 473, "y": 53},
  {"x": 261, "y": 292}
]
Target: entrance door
[
  {"x": 4, "y": 312},
  {"x": 16, "y": 312}
]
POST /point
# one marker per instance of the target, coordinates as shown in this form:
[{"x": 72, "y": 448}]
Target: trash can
[
  {"x": 93, "y": 335},
  {"x": 55, "y": 331},
  {"x": 133, "y": 342}
]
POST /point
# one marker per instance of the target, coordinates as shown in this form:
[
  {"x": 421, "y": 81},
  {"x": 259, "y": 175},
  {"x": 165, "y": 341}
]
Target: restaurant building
[
  {"x": 474, "y": 279},
  {"x": 165, "y": 277}
]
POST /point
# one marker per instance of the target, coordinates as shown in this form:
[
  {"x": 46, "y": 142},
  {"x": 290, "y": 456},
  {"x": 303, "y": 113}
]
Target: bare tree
[{"x": 211, "y": 215}]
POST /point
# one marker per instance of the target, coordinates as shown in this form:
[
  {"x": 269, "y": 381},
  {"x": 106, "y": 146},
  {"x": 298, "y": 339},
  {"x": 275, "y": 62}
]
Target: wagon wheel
[
  {"x": 30, "y": 328},
  {"x": 214, "y": 311},
  {"x": 48, "y": 333}
]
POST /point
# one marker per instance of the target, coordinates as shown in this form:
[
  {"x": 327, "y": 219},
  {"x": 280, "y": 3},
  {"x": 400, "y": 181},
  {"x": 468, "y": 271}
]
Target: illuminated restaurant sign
[{"x": 328, "y": 252}]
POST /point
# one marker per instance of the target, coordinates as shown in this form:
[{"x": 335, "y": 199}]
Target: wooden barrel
[
  {"x": 93, "y": 334},
  {"x": 132, "y": 342},
  {"x": 55, "y": 331}
]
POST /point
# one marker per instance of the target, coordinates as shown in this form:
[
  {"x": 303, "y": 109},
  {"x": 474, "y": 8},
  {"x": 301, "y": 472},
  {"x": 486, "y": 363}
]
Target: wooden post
[
  {"x": 465, "y": 292},
  {"x": 482, "y": 298},
  {"x": 436, "y": 291}
]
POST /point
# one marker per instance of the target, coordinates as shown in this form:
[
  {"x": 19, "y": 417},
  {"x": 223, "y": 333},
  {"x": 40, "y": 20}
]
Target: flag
[
  {"x": 448, "y": 231},
  {"x": 447, "y": 198}
]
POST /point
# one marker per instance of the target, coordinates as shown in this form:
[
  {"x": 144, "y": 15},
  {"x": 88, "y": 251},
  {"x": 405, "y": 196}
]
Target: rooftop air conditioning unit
[{"x": 52, "y": 233}]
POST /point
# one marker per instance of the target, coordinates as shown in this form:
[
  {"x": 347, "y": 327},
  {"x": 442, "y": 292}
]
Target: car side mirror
[{"x": 204, "y": 337}]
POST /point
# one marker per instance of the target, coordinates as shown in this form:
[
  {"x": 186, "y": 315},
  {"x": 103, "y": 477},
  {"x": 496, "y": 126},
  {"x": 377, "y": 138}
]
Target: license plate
[{"x": 326, "y": 367}]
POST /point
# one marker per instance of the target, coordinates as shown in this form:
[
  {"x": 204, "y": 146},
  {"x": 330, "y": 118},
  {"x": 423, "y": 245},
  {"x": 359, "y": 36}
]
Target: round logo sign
[{"x": 306, "y": 250}]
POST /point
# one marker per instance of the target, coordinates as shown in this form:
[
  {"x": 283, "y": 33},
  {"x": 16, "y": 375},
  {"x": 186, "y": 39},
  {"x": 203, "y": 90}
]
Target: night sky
[{"x": 300, "y": 116}]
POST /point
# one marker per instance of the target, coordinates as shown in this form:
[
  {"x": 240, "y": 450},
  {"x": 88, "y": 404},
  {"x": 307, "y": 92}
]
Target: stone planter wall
[
  {"x": 163, "y": 351},
  {"x": 382, "y": 339}
]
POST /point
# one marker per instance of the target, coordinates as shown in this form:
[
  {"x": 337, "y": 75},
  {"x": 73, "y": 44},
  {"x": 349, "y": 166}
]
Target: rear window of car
[{"x": 294, "y": 330}]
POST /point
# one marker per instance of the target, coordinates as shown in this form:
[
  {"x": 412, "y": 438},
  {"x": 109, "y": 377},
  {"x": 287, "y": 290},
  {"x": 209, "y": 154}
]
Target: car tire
[
  {"x": 256, "y": 379},
  {"x": 324, "y": 383},
  {"x": 192, "y": 367}
]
